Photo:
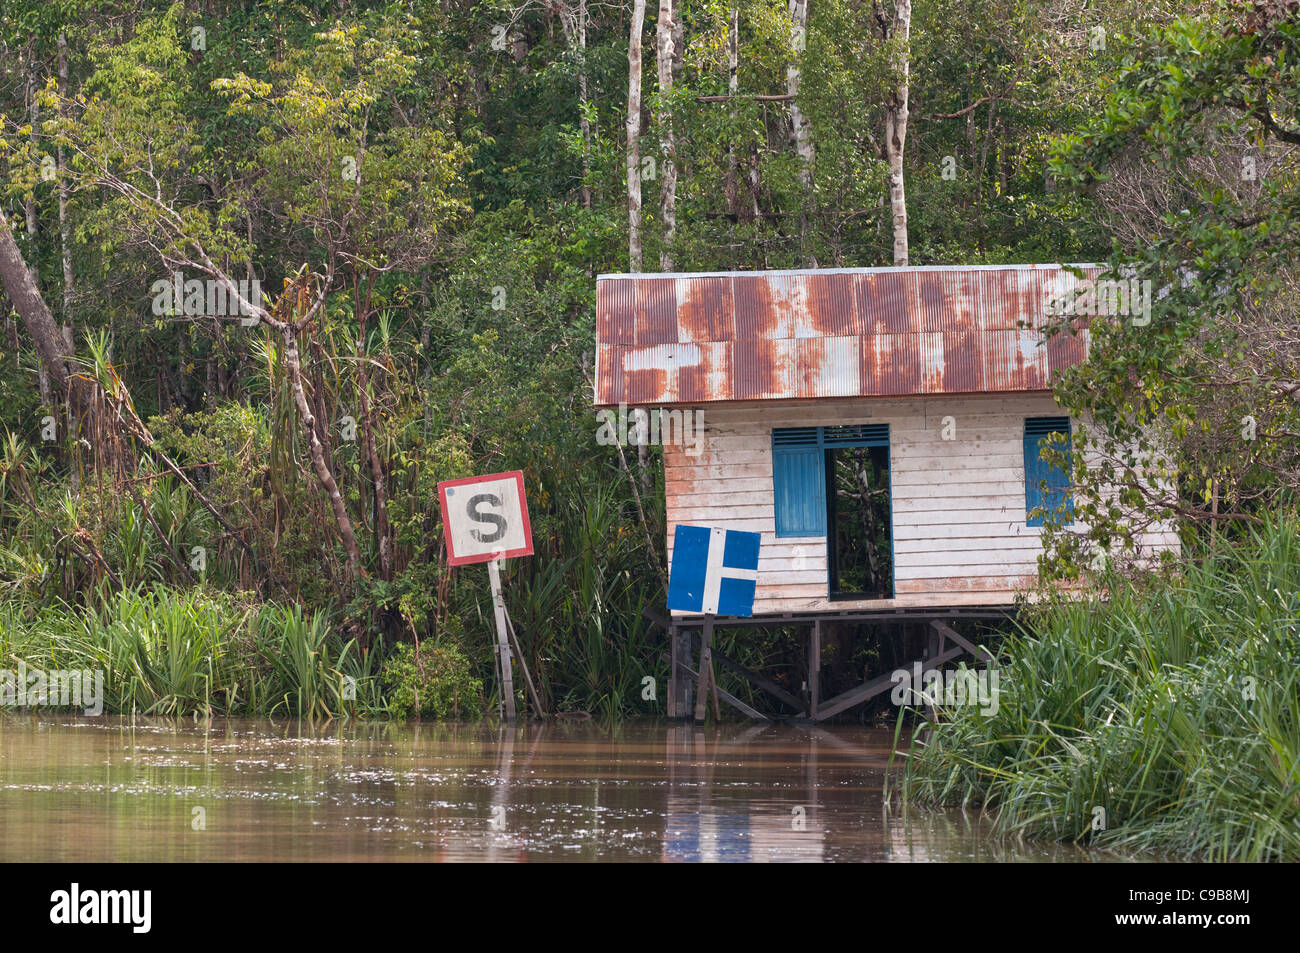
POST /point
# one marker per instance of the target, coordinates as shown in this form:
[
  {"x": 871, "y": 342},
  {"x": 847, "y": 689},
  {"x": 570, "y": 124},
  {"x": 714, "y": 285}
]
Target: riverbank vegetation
[{"x": 1163, "y": 717}]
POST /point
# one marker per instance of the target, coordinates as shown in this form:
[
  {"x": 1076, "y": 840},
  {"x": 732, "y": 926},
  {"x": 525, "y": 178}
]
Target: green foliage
[
  {"x": 1173, "y": 706},
  {"x": 1192, "y": 161},
  {"x": 431, "y": 681}
]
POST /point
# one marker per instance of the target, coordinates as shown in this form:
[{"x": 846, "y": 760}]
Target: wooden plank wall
[{"x": 958, "y": 505}]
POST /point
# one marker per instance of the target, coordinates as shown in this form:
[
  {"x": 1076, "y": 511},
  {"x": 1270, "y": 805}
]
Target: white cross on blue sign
[{"x": 714, "y": 571}]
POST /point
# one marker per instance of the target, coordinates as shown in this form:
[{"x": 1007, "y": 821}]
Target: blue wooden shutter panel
[
  {"x": 798, "y": 482},
  {"x": 1038, "y": 471}
]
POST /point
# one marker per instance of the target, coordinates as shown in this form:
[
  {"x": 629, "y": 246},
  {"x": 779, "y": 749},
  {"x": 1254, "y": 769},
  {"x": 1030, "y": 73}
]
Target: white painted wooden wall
[{"x": 958, "y": 506}]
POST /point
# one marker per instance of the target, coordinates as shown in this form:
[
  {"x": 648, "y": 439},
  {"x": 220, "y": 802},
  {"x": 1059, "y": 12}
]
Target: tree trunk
[
  {"x": 383, "y": 531},
  {"x": 583, "y": 122},
  {"x": 668, "y": 171},
  {"x": 29, "y": 213},
  {"x": 733, "y": 88},
  {"x": 634, "y": 137},
  {"x": 293, "y": 362},
  {"x": 27, "y": 301},
  {"x": 800, "y": 127},
  {"x": 65, "y": 239},
  {"x": 896, "y": 129}
]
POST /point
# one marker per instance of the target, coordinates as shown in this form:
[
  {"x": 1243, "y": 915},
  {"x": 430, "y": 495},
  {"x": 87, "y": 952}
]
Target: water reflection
[{"x": 122, "y": 790}]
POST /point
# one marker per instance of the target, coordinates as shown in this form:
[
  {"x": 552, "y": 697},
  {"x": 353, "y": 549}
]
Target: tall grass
[
  {"x": 1166, "y": 716},
  {"x": 177, "y": 652}
]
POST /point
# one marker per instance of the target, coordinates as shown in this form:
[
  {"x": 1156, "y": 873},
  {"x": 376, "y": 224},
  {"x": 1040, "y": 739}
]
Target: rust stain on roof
[
  {"x": 656, "y": 311},
  {"x": 840, "y": 333},
  {"x": 705, "y": 309}
]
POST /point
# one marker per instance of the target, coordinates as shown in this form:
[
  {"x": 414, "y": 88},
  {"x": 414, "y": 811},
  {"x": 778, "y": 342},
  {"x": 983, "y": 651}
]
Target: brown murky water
[{"x": 116, "y": 790}]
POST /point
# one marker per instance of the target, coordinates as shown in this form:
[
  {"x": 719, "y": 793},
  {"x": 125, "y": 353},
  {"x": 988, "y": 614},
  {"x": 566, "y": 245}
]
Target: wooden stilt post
[
  {"x": 814, "y": 667},
  {"x": 713, "y": 686},
  {"x": 674, "y": 670},
  {"x": 705, "y": 672},
  {"x": 687, "y": 686},
  {"x": 503, "y": 639},
  {"x": 538, "y": 710}
]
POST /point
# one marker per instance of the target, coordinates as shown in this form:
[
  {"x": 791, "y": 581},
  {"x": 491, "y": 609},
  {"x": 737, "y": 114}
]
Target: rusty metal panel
[
  {"x": 705, "y": 310},
  {"x": 1014, "y": 360},
  {"x": 610, "y": 384},
  {"x": 947, "y": 300},
  {"x": 830, "y": 307},
  {"x": 615, "y": 312},
  {"x": 828, "y": 367},
  {"x": 891, "y": 365},
  {"x": 764, "y": 369},
  {"x": 704, "y": 372},
  {"x": 650, "y": 372},
  {"x": 1065, "y": 350},
  {"x": 756, "y": 314},
  {"x": 1010, "y": 296},
  {"x": 656, "y": 310},
  {"x": 787, "y": 294},
  {"x": 963, "y": 362},
  {"x": 885, "y": 303}
]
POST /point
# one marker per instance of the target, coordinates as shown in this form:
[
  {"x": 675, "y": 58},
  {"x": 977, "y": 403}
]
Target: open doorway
[{"x": 859, "y": 528}]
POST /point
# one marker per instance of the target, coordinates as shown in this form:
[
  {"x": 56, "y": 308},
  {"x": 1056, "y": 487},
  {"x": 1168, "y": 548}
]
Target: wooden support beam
[
  {"x": 687, "y": 683},
  {"x": 707, "y": 681},
  {"x": 730, "y": 699},
  {"x": 814, "y": 667},
  {"x": 760, "y": 682},
  {"x": 975, "y": 650},
  {"x": 868, "y": 690},
  {"x": 538, "y": 708}
]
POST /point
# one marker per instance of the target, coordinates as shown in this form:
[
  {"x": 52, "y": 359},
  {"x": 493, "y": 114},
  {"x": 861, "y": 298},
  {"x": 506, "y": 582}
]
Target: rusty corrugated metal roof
[{"x": 866, "y": 332}]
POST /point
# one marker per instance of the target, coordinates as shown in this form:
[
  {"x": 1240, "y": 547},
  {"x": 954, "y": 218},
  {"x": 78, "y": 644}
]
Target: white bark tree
[
  {"x": 896, "y": 124},
  {"x": 665, "y": 37},
  {"x": 800, "y": 127},
  {"x": 634, "y": 253}
]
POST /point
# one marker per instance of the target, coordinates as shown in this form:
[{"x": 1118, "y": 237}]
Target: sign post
[
  {"x": 486, "y": 521},
  {"x": 503, "y": 639}
]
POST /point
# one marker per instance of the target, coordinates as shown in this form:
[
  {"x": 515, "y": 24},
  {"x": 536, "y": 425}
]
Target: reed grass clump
[
  {"x": 1163, "y": 717},
  {"x": 174, "y": 652}
]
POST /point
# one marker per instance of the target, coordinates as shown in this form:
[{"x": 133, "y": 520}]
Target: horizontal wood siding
[{"x": 958, "y": 505}]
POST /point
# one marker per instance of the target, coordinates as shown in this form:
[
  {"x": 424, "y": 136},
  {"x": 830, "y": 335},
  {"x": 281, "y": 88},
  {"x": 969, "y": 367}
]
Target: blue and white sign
[{"x": 714, "y": 571}]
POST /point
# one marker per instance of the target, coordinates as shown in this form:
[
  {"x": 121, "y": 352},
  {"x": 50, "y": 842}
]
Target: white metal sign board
[{"x": 486, "y": 518}]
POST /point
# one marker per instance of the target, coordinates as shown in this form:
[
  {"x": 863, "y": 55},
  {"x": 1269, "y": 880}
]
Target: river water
[{"x": 77, "y": 789}]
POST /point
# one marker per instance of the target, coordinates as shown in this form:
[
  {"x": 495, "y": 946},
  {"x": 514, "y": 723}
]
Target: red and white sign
[{"x": 486, "y": 518}]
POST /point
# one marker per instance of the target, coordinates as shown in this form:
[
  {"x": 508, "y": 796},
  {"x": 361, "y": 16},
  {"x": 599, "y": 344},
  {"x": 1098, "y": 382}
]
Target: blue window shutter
[
  {"x": 798, "y": 482},
  {"x": 1055, "y": 497}
]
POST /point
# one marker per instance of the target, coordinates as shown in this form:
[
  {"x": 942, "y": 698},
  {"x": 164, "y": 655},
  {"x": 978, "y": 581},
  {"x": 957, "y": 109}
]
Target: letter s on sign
[{"x": 481, "y": 517}]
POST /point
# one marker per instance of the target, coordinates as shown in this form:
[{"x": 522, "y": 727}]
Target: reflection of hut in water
[
  {"x": 699, "y": 828},
  {"x": 696, "y": 835}
]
